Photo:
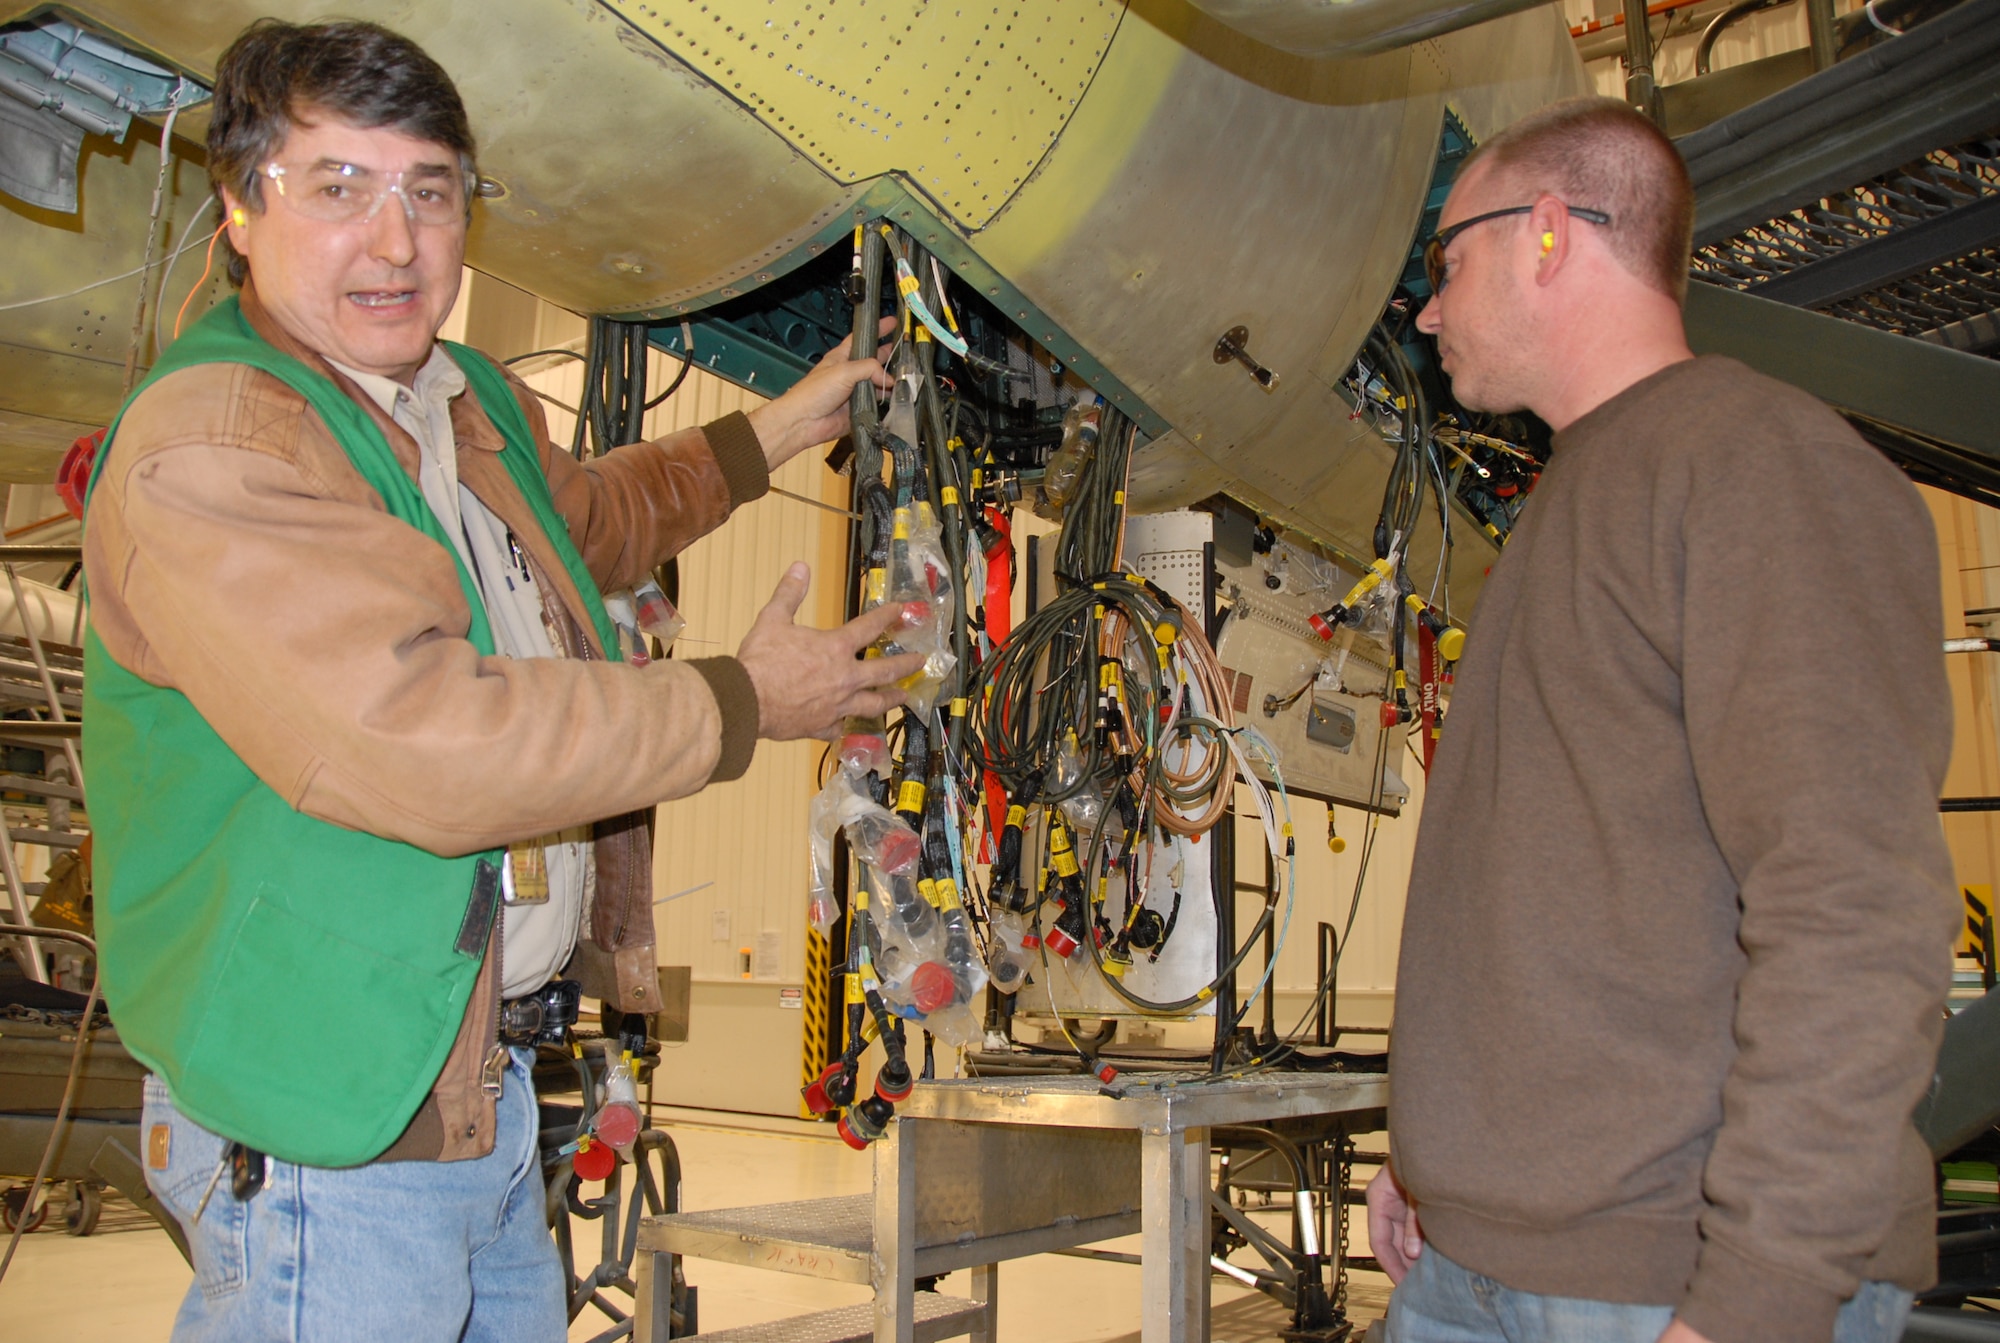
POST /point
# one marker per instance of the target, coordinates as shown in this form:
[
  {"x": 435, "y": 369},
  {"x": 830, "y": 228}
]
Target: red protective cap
[
  {"x": 73, "y": 476},
  {"x": 1106, "y": 1073},
  {"x": 815, "y": 1094},
  {"x": 916, "y": 613},
  {"x": 1060, "y": 942},
  {"x": 931, "y": 987},
  {"x": 618, "y": 1124},
  {"x": 594, "y": 1162},
  {"x": 1391, "y": 715},
  {"x": 1320, "y": 627},
  {"x": 850, "y": 1137},
  {"x": 900, "y": 850}
]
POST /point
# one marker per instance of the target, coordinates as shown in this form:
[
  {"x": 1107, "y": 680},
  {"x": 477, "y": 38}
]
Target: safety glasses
[
  {"x": 1434, "y": 249},
  {"x": 347, "y": 193}
]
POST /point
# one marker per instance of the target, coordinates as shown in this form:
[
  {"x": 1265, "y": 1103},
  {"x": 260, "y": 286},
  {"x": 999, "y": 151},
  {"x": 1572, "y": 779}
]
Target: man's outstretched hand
[
  {"x": 1680, "y": 1333},
  {"x": 808, "y": 680},
  {"x": 814, "y": 410},
  {"x": 1392, "y": 1226}
]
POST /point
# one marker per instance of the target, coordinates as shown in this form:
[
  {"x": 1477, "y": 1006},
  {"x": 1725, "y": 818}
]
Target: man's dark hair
[
  {"x": 1600, "y": 154},
  {"x": 276, "y": 75}
]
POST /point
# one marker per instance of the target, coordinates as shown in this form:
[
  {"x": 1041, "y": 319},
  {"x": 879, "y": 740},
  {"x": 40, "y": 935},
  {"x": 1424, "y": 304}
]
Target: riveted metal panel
[
  {"x": 963, "y": 98},
  {"x": 631, "y": 180}
]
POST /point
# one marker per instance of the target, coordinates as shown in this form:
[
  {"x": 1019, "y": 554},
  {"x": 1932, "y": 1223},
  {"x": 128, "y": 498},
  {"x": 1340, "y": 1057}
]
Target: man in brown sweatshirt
[{"x": 1680, "y": 917}]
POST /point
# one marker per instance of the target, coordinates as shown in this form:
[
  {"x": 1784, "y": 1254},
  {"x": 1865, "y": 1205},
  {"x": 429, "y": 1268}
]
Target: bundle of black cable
[{"x": 1065, "y": 669}]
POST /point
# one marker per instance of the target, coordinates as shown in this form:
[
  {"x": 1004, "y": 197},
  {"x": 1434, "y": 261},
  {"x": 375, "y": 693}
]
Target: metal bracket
[{"x": 1234, "y": 345}]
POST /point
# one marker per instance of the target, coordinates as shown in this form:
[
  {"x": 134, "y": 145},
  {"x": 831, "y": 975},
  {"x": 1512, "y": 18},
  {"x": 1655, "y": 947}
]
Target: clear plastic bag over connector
[
  {"x": 642, "y": 614},
  {"x": 920, "y": 578},
  {"x": 617, "y": 1122},
  {"x": 1068, "y": 462},
  {"x": 658, "y": 617},
  {"x": 924, "y": 955},
  {"x": 1010, "y": 954}
]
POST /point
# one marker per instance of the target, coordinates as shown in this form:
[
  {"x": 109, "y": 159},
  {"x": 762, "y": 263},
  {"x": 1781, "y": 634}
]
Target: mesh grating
[{"x": 1935, "y": 303}]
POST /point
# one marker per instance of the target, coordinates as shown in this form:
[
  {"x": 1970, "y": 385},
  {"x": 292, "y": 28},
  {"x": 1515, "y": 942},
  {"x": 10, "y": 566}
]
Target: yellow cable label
[
  {"x": 907, "y": 283},
  {"x": 948, "y": 496},
  {"x": 1377, "y": 571},
  {"x": 875, "y": 588},
  {"x": 978, "y": 477},
  {"x": 855, "y": 993},
  {"x": 928, "y": 890},
  {"x": 859, "y": 232},
  {"x": 1118, "y": 498},
  {"x": 910, "y": 797},
  {"x": 947, "y": 893},
  {"x": 923, "y": 335},
  {"x": 1402, "y": 679},
  {"x": 1017, "y": 816},
  {"x": 958, "y": 707},
  {"x": 1061, "y": 856}
]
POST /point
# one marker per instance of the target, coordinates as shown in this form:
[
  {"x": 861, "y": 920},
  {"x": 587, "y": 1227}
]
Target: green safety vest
[{"x": 297, "y": 985}]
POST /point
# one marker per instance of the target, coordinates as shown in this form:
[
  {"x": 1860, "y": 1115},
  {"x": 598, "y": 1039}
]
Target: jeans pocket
[{"x": 219, "y": 1239}]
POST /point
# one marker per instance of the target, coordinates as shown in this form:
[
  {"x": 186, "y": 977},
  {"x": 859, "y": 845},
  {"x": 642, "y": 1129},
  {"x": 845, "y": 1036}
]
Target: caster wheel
[
  {"x": 14, "y": 1207},
  {"x": 86, "y": 1205}
]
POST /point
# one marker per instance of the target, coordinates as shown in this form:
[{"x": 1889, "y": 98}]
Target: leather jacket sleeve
[{"x": 234, "y": 555}]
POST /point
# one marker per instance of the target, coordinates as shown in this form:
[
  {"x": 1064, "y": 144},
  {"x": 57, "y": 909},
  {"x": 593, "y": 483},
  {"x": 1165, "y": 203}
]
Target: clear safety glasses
[{"x": 348, "y": 193}]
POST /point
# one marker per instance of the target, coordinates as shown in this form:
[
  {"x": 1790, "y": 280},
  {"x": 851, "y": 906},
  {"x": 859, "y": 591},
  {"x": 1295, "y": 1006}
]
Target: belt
[{"x": 542, "y": 1017}]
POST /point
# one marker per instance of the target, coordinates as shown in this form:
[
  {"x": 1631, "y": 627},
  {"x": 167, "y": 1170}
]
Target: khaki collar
[{"x": 469, "y": 426}]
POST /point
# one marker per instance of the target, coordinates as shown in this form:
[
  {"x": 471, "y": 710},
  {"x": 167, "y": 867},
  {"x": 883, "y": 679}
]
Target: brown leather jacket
[{"x": 234, "y": 554}]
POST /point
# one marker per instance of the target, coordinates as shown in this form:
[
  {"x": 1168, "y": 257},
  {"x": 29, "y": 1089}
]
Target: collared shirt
[{"x": 536, "y": 938}]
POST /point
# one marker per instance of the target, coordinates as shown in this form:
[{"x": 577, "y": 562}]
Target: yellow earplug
[
  {"x": 238, "y": 218},
  {"x": 1548, "y": 243}
]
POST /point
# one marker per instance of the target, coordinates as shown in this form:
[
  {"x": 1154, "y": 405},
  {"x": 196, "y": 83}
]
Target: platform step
[
  {"x": 937, "y": 1316},
  {"x": 829, "y": 1238}
]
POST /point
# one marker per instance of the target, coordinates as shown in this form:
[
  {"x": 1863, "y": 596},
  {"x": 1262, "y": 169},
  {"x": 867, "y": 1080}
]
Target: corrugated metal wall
[
  {"x": 1969, "y": 539},
  {"x": 731, "y": 862}
]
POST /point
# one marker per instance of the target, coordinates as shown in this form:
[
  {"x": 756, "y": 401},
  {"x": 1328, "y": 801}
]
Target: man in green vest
[{"x": 371, "y": 773}]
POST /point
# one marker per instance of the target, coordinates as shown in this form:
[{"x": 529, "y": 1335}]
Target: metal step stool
[
  {"x": 938, "y": 1317},
  {"x": 827, "y": 1238}
]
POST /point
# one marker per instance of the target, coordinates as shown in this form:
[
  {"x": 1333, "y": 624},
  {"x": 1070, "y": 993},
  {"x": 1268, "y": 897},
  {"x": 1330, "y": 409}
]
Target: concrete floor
[{"x": 125, "y": 1282}]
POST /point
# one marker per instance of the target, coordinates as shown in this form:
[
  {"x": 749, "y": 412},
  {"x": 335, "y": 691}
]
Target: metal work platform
[
  {"x": 817, "y": 1238},
  {"x": 971, "y": 1173},
  {"x": 937, "y": 1317}
]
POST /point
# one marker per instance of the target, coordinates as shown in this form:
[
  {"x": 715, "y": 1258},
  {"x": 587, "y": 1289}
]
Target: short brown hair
[
  {"x": 1600, "y": 154},
  {"x": 362, "y": 73}
]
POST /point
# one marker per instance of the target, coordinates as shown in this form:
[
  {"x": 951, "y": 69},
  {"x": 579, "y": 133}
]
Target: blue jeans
[
  {"x": 1439, "y": 1302},
  {"x": 400, "y": 1252}
]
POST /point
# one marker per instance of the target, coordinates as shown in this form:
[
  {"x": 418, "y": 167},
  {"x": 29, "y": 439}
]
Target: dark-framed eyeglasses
[{"x": 1434, "y": 249}]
